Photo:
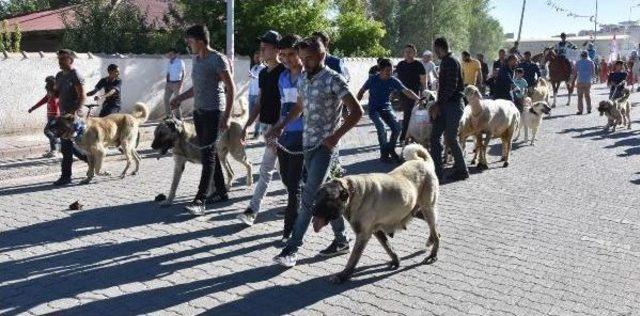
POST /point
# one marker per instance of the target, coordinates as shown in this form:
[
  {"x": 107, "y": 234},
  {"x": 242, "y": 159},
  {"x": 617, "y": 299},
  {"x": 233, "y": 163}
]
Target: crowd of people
[{"x": 299, "y": 99}]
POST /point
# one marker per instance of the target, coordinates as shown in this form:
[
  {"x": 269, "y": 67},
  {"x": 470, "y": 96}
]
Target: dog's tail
[
  {"x": 415, "y": 152},
  {"x": 140, "y": 112}
]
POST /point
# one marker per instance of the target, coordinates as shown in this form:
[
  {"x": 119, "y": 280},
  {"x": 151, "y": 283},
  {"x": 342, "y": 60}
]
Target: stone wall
[{"x": 22, "y": 83}]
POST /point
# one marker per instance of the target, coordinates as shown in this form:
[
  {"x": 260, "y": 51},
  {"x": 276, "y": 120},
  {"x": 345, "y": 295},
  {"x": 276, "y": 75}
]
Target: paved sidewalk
[{"x": 555, "y": 233}]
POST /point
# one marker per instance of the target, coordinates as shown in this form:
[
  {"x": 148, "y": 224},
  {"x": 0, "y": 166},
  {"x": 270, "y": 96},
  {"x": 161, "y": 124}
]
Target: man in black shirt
[
  {"x": 268, "y": 107},
  {"x": 447, "y": 111},
  {"x": 413, "y": 76},
  {"x": 111, "y": 85},
  {"x": 484, "y": 70}
]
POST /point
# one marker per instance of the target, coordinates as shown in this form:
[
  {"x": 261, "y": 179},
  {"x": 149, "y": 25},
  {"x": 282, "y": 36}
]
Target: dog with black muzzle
[
  {"x": 181, "y": 138},
  {"x": 532, "y": 118},
  {"x": 378, "y": 204},
  {"x": 617, "y": 111}
]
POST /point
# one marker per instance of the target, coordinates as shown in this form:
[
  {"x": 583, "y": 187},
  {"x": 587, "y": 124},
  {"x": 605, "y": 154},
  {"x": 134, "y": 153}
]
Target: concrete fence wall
[{"x": 22, "y": 83}]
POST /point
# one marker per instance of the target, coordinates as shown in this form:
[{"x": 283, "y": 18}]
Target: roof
[
  {"x": 572, "y": 39},
  {"x": 51, "y": 20}
]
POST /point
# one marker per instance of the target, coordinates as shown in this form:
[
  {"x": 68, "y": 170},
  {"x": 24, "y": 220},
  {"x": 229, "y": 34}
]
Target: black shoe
[
  {"x": 62, "y": 181},
  {"x": 459, "y": 176},
  {"x": 394, "y": 157},
  {"x": 589, "y": 112},
  {"x": 335, "y": 249},
  {"x": 579, "y": 113},
  {"x": 217, "y": 197}
]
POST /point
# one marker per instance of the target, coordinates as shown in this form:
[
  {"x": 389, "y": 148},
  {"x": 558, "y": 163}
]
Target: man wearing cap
[
  {"x": 562, "y": 49},
  {"x": 69, "y": 85},
  {"x": 430, "y": 69},
  {"x": 585, "y": 70},
  {"x": 213, "y": 91},
  {"x": 322, "y": 93},
  {"x": 268, "y": 108}
]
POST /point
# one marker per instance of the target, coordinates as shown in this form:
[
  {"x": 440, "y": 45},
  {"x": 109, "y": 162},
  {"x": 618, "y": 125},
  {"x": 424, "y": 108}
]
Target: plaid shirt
[{"x": 451, "y": 84}]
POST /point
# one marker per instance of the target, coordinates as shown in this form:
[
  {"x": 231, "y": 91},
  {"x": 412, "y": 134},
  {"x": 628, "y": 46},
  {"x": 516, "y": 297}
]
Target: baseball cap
[
  {"x": 427, "y": 53},
  {"x": 270, "y": 37}
]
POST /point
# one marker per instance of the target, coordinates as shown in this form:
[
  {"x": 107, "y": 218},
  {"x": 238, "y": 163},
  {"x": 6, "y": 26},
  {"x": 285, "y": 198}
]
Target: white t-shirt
[
  {"x": 175, "y": 69},
  {"x": 254, "y": 86}
]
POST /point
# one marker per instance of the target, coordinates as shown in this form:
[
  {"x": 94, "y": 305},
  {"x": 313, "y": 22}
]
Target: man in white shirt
[
  {"x": 430, "y": 68},
  {"x": 175, "y": 77}
]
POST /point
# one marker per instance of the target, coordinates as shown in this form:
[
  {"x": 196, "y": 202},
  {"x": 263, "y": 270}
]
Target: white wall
[{"x": 22, "y": 83}]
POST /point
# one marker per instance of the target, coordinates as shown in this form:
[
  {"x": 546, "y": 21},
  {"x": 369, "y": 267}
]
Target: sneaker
[
  {"x": 458, "y": 176},
  {"x": 286, "y": 259},
  {"x": 335, "y": 249},
  {"x": 62, "y": 181},
  {"x": 248, "y": 217},
  {"x": 49, "y": 154},
  {"x": 196, "y": 208},
  {"x": 217, "y": 197},
  {"x": 579, "y": 113}
]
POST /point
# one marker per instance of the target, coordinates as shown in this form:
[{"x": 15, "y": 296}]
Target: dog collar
[{"x": 78, "y": 128}]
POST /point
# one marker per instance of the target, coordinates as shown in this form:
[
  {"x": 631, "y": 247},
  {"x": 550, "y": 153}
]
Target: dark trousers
[
  {"x": 206, "y": 123},
  {"x": 54, "y": 141},
  {"x": 68, "y": 151},
  {"x": 291, "y": 173},
  {"x": 407, "y": 107},
  {"x": 448, "y": 123},
  {"x": 109, "y": 109}
]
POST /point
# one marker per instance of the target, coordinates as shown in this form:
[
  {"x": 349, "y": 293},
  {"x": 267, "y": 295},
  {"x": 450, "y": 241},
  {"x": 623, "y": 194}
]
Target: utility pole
[
  {"x": 595, "y": 24},
  {"x": 230, "y": 27},
  {"x": 524, "y": 3}
]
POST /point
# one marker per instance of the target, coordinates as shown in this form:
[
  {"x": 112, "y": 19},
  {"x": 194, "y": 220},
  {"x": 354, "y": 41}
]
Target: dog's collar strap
[{"x": 78, "y": 128}]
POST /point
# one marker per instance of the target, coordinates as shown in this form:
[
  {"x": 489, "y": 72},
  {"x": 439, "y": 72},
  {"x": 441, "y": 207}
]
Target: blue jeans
[
  {"x": 317, "y": 166},
  {"x": 252, "y": 104},
  {"x": 54, "y": 140},
  {"x": 448, "y": 123},
  {"x": 380, "y": 117}
]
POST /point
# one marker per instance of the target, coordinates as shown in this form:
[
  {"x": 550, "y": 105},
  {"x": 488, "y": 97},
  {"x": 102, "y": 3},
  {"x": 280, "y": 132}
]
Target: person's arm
[
  {"x": 355, "y": 113},
  {"x": 229, "y": 91},
  {"x": 96, "y": 89},
  {"x": 175, "y": 102},
  {"x": 294, "y": 113},
  {"x": 80, "y": 91},
  {"x": 364, "y": 88},
  {"x": 410, "y": 94},
  {"x": 111, "y": 92},
  {"x": 40, "y": 103},
  {"x": 253, "y": 115}
]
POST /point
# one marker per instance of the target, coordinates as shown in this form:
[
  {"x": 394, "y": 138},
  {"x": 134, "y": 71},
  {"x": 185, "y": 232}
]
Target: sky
[{"x": 541, "y": 20}]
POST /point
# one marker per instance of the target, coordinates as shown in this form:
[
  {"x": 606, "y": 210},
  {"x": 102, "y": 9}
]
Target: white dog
[{"x": 532, "y": 117}]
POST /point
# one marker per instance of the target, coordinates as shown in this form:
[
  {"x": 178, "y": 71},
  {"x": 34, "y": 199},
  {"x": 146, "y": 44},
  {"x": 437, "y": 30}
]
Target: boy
[
  {"x": 51, "y": 99},
  {"x": 616, "y": 79},
  {"x": 520, "y": 88},
  {"x": 380, "y": 87},
  {"x": 111, "y": 85}
]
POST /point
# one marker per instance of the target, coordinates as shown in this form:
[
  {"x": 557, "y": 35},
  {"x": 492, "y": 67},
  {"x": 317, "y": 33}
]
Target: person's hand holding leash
[{"x": 330, "y": 142}]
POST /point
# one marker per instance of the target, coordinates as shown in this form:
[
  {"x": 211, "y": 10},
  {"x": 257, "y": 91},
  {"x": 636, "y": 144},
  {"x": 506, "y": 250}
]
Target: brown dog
[
  {"x": 119, "y": 130},
  {"x": 617, "y": 111}
]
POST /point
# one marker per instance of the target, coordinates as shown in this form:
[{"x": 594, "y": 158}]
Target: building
[
  {"x": 44, "y": 30},
  {"x": 603, "y": 43}
]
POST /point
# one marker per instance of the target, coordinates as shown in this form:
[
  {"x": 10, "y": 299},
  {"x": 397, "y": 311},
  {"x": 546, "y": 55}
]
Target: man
[
  {"x": 531, "y": 71},
  {"x": 112, "y": 89},
  {"x": 471, "y": 70},
  {"x": 321, "y": 94},
  {"x": 380, "y": 87},
  {"x": 254, "y": 87},
  {"x": 585, "y": 70},
  {"x": 430, "y": 69},
  {"x": 336, "y": 64},
  {"x": 268, "y": 108},
  {"x": 562, "y": 48},
  {"x": 504, "y": 80},
  {"x": 497, "y": 64},
  {"x": 447, "y": 112},
  {"x": 69, "y": 85},
  {"x": 413, "y": 76},
  {"x": 174, "y": 80},
  {"x": 484, "y": 71},
  {"x": 291, "y": 163},
  {"x": 213, "y": 90}
]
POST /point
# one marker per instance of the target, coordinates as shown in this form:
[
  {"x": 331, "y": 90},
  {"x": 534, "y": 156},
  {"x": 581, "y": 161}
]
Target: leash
[
  {"x": 274, "y": 142},
  {"x": 202, "y": 147}
]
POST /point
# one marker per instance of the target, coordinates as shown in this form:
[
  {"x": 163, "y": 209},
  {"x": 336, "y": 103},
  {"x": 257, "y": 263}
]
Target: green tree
[
  {"x": 18, "y": 7},
  {"x": 5, "y": 38},
  {"x": 358, "y": 35},
  {"x": 486, "y": 35},
  {"x": 16, "y": 38},
  {"x": 109, "y": 27}
]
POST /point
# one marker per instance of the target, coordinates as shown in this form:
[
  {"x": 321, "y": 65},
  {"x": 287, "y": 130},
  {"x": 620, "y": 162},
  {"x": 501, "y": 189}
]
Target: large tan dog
[
  {"x": 617, "y": 111},
  {"x": 181, "y": 138},
  {"x": 119, "y": 130},
  {"x": 379, "y": 204}
]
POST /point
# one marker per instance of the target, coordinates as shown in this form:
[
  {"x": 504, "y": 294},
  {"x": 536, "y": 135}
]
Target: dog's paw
[
  {"x": 431, "y": 259},
  {"x": 505, "y": 164},
  {"x": 482, "y": 166},
  {"x": 339, "y": 278},
  {"x": 133, "y": 173}
]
